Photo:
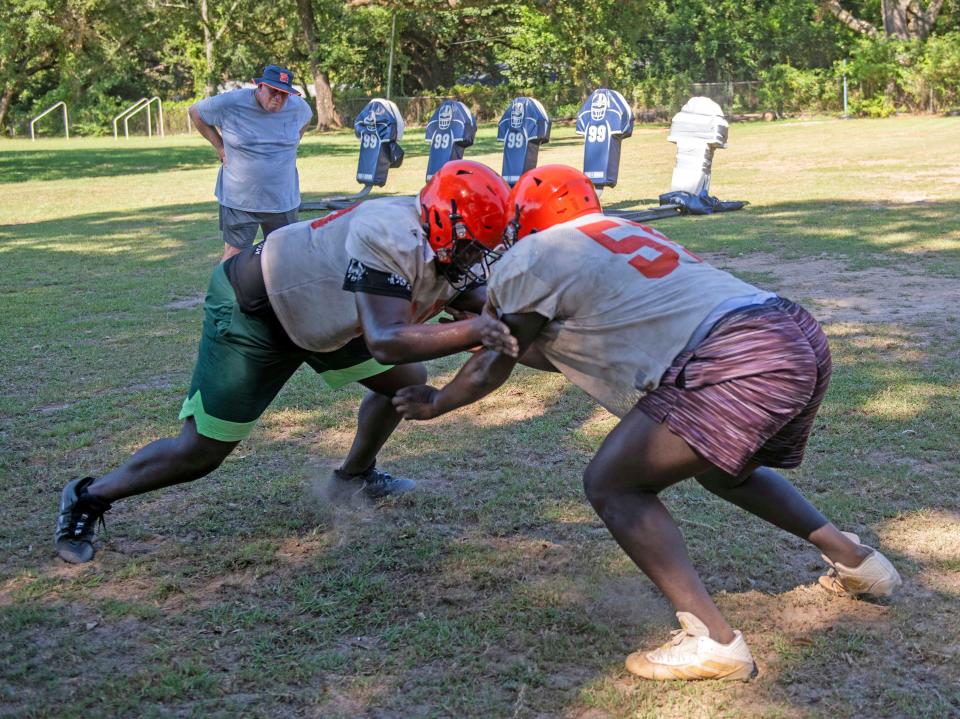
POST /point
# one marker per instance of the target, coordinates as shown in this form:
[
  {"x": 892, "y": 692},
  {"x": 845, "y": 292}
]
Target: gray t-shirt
[{"x": 260, "y": 170}]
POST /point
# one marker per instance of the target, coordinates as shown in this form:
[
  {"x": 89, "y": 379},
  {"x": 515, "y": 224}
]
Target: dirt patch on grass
[
  {"x": 51, "y": 408},
  {"x": 186, "y": 303},
  {"x": 929, "y": 540},
  {"x": 161, "y": 382},
  {"x": 835, "y": 293}
]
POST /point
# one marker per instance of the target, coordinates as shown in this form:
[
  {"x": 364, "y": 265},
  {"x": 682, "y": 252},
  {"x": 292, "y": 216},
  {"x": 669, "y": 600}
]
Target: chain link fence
[
  {"x": 733, "y": 97},
  {"x": 736, "y": 98},
  {"x": 654, "y": 101},
  {"x": 740, "y": 100},
  {"x": 416, "y": 110}
]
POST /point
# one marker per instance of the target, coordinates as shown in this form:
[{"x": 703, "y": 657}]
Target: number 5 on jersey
[{"x": 654, "y": 256}]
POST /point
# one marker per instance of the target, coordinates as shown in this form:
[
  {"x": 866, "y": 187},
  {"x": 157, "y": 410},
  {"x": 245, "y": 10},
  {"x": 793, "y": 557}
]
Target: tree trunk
[
  {"x": 327, "y": 116},
  {"x": 902, "y": 19},
  {"x": 426, "y": 69},
  {"x": 895, "y": 18},
  {"x": 923, "y": 21},
  {"x": 208, "y": 41},
  {"x": 5, "y": 101}
]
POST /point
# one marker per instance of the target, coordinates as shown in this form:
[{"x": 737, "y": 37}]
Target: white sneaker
[
  {"x": 874, "y": 576},
  {"x": 692, "y": 654}
]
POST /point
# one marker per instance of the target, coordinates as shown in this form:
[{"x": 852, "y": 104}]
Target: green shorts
[{"x": 244, "y": 360}]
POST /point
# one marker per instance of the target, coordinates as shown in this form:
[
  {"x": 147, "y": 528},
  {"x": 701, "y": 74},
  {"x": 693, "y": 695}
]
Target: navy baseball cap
[{"x": 279, "y": 78}]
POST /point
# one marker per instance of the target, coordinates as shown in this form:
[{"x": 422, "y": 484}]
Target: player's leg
[
  {"x": 238, "y": 229},
  {"x": 638, "y": 459},
  {"x": 376, "y": 419},
  {"x": 715, "y": 407},
  {"x": 759, "y": 489},
  {"x": 767, "y": 494},
  {"x": 242, "y": 363},
  {"x": 163, "y": 463}
]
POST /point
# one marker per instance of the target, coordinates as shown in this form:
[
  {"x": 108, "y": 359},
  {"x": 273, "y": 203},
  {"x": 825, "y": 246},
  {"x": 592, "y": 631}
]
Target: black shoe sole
[
  {"x": 394, "y": 488},
  {"x": 74, "y": 552}
]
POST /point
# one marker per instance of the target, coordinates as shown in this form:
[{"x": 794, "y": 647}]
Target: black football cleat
[
  {"x": 375, "y": 484},
  {"x": 79, "y": 514}
]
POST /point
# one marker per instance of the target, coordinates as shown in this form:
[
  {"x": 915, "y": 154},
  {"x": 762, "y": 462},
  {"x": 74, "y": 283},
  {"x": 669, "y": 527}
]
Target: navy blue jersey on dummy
[
  {"x": 604, "y": 120},
  {"x": 522, "y": 129},
  {"x": 379, "y": 126},
  {"x": 450, "y": 130}
]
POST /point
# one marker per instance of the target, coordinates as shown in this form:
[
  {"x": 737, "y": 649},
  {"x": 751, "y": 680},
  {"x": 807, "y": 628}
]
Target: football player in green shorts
[{"x": 346, "y": 294}]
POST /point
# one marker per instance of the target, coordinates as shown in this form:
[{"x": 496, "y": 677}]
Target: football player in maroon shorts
[{"x": 712, "y": 378}]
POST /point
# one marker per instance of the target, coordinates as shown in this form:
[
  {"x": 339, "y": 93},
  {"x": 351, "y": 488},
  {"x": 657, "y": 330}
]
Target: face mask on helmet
[
  {"x": 463, "y": 213},
  {"x": 547, "y": 196}
]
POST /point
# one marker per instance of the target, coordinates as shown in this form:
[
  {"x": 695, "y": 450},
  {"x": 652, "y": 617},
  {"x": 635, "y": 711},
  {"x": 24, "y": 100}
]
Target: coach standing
[{"x": 259, "y": 130}]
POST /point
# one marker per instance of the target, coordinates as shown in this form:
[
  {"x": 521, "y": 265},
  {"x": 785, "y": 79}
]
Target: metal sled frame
[
  {"x": 337, "y": 202},
  {"x": 652, "y": 213}
]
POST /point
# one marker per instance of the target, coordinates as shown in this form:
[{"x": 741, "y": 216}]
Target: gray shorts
[{"x": 239, "y": 227}]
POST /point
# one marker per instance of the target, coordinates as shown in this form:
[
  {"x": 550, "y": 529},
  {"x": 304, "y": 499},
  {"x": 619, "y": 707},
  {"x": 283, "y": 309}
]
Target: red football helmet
[
  {"x": 463, "y": 213},
  {"x": 546, "y": 196}
]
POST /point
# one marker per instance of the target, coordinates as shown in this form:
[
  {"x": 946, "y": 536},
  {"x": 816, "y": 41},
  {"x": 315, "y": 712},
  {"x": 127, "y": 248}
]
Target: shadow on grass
[
  {"x": 34, "y": 165},
  {"x": 469, "y": 601},
  {"x": 793, "y": 229},
  {"x": 40, "y": 165},
  {"x": 77, "y": 249},
  {"x": 462, "y": 600}
]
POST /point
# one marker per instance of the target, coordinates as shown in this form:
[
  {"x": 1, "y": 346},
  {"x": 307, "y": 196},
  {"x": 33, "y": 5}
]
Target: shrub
[
  {"x": 485, "y": 102},
  {"x": 786, "y": 89},
  {"x": 878, "y": 106},
  {"x": 939, "y": 69},
  {"x": 662, "y": 93},
  {"x": 566, "y": 111}
]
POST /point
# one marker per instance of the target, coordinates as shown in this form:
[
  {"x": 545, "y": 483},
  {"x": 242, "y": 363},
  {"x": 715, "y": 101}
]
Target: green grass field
[{"x": 494, "y": 591}]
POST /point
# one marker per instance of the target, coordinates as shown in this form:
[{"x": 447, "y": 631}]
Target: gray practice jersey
[
  {"x": 621, "y": 299},
  {"x": 305, "y": 265},
  {"x": 259, "y": 173}
]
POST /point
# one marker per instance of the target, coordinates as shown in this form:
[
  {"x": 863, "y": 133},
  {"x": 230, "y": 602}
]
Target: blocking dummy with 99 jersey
[
  {"x": 311, "y": 269},
  {"x": 621, "y": 300}
]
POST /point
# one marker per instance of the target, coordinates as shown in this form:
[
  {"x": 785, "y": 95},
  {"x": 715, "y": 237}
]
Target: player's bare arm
[
  {"x": 393, "y": 338},
  {"x": 497, "y": 337},
  {"x": 472, "y": 301},
  {"x": 483, "y": 373}
]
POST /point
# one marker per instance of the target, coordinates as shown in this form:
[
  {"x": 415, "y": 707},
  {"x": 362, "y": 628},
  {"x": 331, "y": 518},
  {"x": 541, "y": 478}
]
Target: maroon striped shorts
[{"x": 750, "y": 390}]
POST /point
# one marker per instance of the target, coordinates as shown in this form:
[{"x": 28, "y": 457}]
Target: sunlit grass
[{"x": 494, "y": 590}]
